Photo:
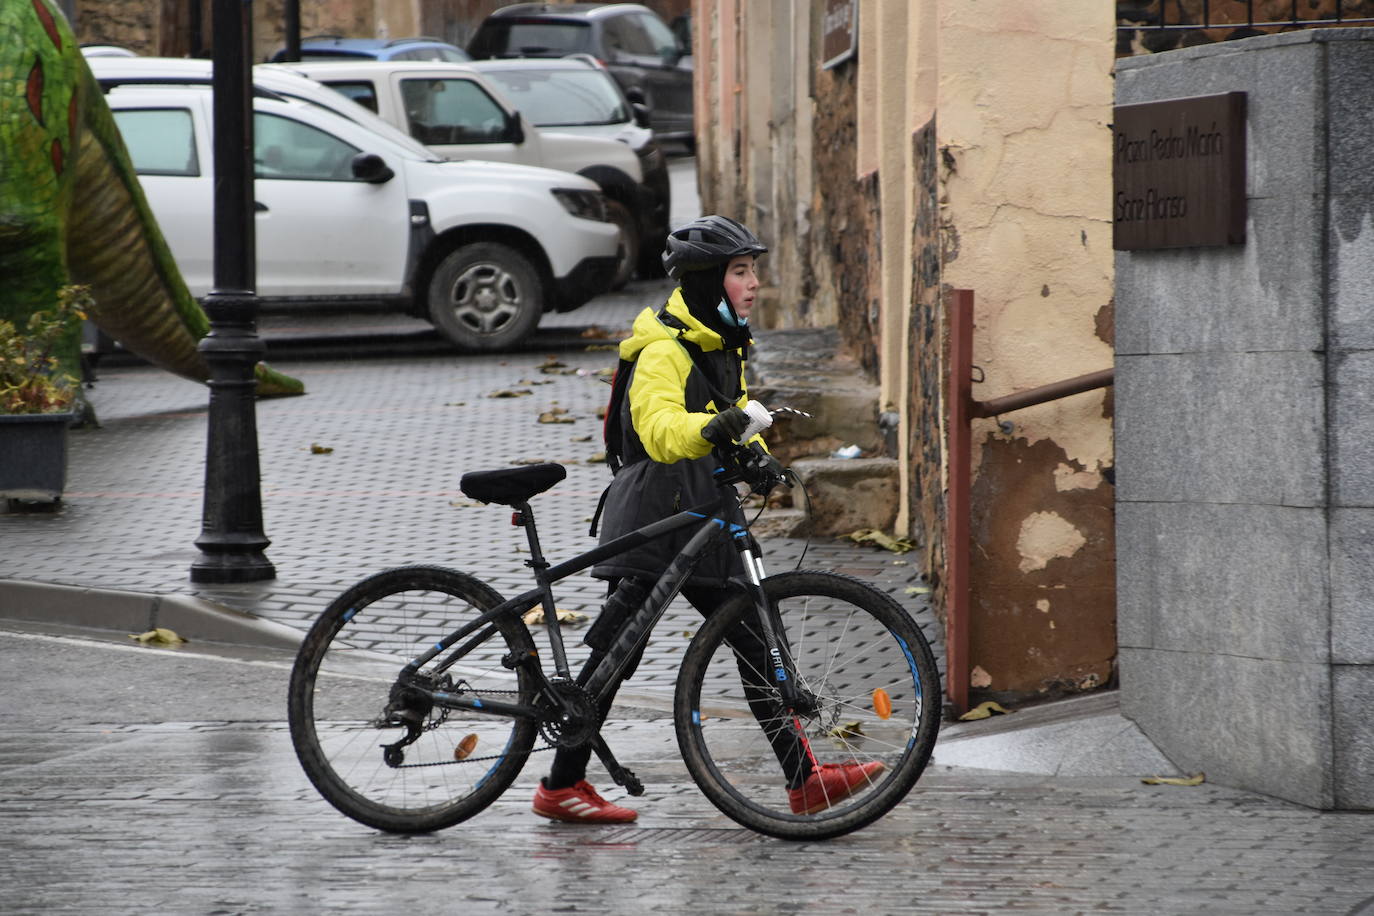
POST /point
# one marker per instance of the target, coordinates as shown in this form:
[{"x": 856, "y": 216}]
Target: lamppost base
[{"x": 228, "y": 569}]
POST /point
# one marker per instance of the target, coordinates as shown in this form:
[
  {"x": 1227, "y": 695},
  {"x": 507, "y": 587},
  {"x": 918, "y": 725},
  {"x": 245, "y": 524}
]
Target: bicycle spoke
[
  {"x": 349, "y": 717},
  {"x": 864, "y": 727}
]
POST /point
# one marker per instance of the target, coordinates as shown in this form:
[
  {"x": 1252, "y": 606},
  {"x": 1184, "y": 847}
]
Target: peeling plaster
[
  {"x": 1047, "y": 536},
  {"x": 1069, "y": 478}
]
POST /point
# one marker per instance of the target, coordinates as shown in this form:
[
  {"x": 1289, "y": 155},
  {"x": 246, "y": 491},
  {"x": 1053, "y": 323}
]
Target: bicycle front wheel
[
  {"x": 345, "y": 707},
  {"x": 860, "y": 734}
]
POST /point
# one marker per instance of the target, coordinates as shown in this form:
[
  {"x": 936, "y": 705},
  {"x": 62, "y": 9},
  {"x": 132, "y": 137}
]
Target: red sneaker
[
  {"x": 579, "y": 805},
  {"x": 831, "y": 782}
]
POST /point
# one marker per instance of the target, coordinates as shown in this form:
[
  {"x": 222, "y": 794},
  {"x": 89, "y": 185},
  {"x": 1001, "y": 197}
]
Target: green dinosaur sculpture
[{"x": 72, "y": 210}]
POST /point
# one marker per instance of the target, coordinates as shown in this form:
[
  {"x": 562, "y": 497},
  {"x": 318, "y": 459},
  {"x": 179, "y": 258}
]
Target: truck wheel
[
  {"x": 485, "y": 296},
  {"x": 627, "y": 254}
]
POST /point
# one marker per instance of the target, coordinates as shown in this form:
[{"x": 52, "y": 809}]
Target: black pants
[{"x": 751, "y": 656}]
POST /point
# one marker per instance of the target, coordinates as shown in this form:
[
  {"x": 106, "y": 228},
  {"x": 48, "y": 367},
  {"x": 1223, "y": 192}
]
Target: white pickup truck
[
  {"x": 345, "y": 213},
  {"x": 461, "y": 114}
]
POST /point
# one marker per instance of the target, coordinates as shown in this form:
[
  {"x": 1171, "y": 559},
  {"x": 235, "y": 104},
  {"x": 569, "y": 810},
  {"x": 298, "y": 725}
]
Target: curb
[{"x": 194, "y": 619}]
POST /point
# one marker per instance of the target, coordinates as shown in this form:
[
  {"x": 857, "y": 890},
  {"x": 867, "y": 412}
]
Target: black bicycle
[{"x": 418, "y": 694}]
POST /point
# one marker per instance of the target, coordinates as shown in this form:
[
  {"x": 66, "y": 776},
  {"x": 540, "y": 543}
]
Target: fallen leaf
[
  {"x": 455, "y": 403},
  {"x": 918, "y": 590},
  {"x": 552, "y": 362},
  {"x": 879, "y": 539},
  {"x": 557, "y": 415},
  {"x": 158, "y": 636},
  {"x": 464, "y": 503},
  {"x": 317, "y": 449},
  {"x": 465, "y": 747},
  {"x": 510, "y": 393},
  {"x": 983, "y": 711},
  {"x": 597, "y": 458},
  {"x": 592, "y": 348},
  {"x": 580, "y": 439},
  {"x": 1175, "y": 780},
  {"x": 845, "y": 735},
  {"x": 595, "y": 332},
  {"x": 535, "y": 617},
  {"x": 526, "y": 381}
]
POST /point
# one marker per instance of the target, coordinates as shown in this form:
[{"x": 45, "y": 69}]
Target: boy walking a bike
[{"x": 683, "y": 395}]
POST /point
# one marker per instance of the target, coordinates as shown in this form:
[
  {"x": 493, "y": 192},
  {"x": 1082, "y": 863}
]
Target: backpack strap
[{"x": 697, "y": 355}]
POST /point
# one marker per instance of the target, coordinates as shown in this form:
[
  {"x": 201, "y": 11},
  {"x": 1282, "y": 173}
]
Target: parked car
[
  {"x": 324, "y": 47},
  {"x": 460, "y": 114},
  {"x": 577, "y": 95},
  {"x": 636, "y": 46},
  {"x": 345, "y": 214},
  {"x": 410, "y": 95}
]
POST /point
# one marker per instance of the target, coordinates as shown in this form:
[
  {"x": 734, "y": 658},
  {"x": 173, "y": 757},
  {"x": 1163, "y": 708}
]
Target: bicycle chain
[{"x": 447, "y": 763}]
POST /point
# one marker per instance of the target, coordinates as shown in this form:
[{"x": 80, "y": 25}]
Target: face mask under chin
[{"x": 727, "y": 314}]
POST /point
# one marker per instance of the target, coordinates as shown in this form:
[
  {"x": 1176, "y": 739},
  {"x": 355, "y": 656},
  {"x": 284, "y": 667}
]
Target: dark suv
[{"x": 648, "y": 61}]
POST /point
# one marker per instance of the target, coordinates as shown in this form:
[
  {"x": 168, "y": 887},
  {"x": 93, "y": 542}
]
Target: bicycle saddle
[{"x": 510, "y": 486}]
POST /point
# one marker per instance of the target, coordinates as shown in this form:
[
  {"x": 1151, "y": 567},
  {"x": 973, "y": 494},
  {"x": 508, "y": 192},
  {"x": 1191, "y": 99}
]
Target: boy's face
[{"x": 741, "y": 284}]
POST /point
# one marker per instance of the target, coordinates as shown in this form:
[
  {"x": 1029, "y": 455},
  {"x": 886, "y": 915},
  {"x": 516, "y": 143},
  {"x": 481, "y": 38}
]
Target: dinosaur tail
[{"x": 115, "y": 247}]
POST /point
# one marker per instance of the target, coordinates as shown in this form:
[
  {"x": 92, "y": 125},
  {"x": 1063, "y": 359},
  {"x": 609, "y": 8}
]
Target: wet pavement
[{"x": 136, "y": 780}]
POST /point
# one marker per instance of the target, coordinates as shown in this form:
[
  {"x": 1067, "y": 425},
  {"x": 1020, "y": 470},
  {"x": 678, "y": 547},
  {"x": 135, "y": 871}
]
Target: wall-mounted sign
[
  {"x": 839, "y": 32},
  {"x": 1178, "y": 173}
]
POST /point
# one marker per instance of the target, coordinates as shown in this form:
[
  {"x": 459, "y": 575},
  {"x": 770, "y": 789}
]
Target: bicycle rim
[
  {"x": 874, "y": 698},
  {"x": 342, "y": 683}
]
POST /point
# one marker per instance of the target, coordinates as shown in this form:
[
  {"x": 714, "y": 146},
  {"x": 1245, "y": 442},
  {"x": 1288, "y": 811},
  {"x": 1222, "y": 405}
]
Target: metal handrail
[{"x": 963, "y": 409}]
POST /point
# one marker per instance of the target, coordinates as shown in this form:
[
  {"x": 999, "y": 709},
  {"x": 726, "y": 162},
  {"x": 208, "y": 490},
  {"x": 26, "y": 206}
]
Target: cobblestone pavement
[
  {"x": 105, "y": 810},
  {"x": 362, "y": 474}
]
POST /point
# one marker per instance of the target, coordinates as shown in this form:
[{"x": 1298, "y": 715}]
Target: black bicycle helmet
[{"x": 707, "y": 241}]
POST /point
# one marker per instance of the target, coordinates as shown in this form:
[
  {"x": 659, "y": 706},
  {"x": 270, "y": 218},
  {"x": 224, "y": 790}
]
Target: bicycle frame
[{"x": 604, "y": 677}]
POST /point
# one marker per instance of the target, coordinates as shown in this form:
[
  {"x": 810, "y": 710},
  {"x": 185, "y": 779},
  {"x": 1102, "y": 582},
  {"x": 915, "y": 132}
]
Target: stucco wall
[
  {"x": 935, "y": 163},
  {"x": 1025, "y": 189}
]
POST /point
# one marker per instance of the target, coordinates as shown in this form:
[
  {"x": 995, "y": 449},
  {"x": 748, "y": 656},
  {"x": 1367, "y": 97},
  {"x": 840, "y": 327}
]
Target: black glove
[
  {"x": 726, "y": 427},
  {"x": 767, "y": 463}
]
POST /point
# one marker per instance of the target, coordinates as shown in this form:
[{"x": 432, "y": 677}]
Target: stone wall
[{"x": 1245, "y": 438}]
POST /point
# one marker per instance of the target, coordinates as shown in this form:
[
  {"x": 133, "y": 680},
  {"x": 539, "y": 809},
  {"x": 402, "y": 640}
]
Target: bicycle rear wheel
[
  {"x": 871, "y": 704},
  {"x": 342, "y": 715}
]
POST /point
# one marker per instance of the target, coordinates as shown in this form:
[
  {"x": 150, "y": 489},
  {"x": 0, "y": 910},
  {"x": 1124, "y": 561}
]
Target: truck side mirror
[
  {"x": 641, "y": 113},
  {"x": 515, "y": 130},
  {"x": 372, "y": 168}
]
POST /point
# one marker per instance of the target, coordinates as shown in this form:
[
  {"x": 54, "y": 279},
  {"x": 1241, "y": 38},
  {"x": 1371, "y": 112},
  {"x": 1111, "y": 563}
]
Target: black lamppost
[
  {"x": 291, "y": 15},
  {"x": 231, "y": 539}
]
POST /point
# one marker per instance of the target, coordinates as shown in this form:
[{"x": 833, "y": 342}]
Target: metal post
[
  {"x": 196, "y": 28},
  {"x": 292, "y": 23},
  {"x": 958, "y": 519},
  {"x": 232, "y": 539}
]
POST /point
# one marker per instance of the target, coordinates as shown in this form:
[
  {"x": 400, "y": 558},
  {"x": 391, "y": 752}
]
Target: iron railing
[{"x": 1257, "y": 15}]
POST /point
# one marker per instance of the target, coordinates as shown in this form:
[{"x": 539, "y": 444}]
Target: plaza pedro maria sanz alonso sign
[{"x": 1178, "y": 173}]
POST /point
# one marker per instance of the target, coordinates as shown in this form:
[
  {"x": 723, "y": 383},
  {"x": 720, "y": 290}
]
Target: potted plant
[{"x": 38, "y": 398}]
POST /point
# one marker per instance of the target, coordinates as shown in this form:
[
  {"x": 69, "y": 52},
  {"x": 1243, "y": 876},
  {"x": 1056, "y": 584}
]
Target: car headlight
[{"x": 582, "y": 204}]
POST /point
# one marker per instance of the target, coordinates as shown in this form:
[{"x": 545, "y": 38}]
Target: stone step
[{"x": 803, "y": 369}]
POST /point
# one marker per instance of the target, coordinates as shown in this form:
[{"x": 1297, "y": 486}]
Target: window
[
  {"x": 160, "y": 141},
  {"x": 283, "y": 148},
  {"x": 364, "y": 93},
  {"x": 624, "y": 34},
  {"x": 444, "y": 111},
  {"x": 659, "y": 35},
  {"x": 542, "y": 39},
  {"x": 553, "y": 98}
]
